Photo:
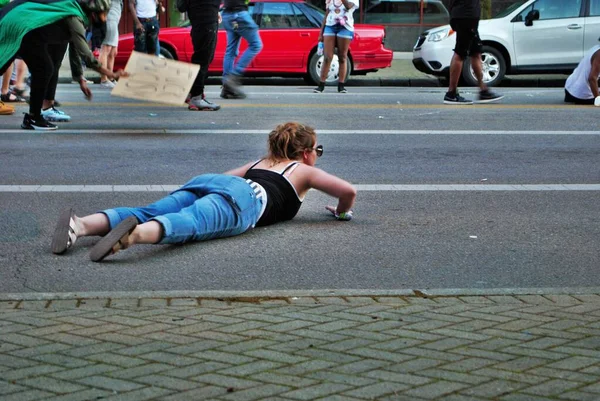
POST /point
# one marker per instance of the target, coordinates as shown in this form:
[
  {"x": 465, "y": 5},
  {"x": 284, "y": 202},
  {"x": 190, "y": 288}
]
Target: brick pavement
[{"x": 364, "y": 347}]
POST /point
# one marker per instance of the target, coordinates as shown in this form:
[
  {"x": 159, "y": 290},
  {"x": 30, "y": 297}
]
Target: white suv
[{"x": 529, "y": 37}]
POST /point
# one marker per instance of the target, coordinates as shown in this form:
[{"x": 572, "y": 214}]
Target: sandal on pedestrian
[
  {"x": 10, "y": 97},
  {"x": 115, "y": 240},
  {"x": 65, "y": 233}
]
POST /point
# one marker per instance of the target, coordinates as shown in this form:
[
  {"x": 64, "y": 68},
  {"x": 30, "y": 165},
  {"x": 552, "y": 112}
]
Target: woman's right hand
[{"x": 321, "y": 37}]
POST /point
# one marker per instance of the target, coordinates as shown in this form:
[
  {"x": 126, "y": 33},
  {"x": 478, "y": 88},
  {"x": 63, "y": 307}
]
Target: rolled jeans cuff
[
  {"x": 114, "y": 218},
  {"x": 167, "y": 229}
]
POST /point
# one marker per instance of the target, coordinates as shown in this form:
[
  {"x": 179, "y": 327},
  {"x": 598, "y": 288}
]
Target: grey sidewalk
[
  {"x": 445, "y": 345},
  {"x": 401, "y": 73}
]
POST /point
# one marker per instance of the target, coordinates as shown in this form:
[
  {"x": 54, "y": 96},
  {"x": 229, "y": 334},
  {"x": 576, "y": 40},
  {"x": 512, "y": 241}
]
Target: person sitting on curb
[
  {"x": 210, "y": 206},
  {"x": 38, "y": 32},
  {"x": 582, "y": 85}
]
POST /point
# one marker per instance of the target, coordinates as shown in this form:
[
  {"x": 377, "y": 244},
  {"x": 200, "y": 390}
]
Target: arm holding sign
[{"x": 80, "y": 51}]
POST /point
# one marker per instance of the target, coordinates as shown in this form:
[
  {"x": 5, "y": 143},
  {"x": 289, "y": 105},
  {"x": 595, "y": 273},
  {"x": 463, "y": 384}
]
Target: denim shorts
[{"x": 338, "y": 30}]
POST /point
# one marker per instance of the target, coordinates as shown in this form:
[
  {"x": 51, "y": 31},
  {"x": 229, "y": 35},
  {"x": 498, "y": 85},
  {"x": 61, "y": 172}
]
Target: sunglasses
[{"x": 319, "y": 150}]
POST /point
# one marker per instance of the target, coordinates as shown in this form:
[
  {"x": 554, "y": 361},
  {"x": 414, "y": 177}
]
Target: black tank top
[{"x": 282, "y": 200}]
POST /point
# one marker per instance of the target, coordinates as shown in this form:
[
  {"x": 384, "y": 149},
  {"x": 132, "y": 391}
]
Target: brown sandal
[{"x": 115, "y": 240}]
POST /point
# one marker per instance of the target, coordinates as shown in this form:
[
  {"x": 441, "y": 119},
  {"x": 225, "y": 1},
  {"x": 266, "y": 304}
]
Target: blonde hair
[{"x": 287, "y": 141}]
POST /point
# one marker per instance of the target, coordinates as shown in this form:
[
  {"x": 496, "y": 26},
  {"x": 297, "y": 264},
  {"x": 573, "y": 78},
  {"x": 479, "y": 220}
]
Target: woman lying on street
[
  {"x": 39, "y": 32},
  {"x": 210, "y": 206}
]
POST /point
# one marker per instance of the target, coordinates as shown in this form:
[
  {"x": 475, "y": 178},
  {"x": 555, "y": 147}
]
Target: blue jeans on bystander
[{"x": 238, "y": 25}]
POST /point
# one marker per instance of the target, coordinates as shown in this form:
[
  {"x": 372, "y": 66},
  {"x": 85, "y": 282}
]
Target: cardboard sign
[{"x": 156, "y": 79}]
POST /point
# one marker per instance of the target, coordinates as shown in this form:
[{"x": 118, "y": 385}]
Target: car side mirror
[{"x": 531, "y": 16}]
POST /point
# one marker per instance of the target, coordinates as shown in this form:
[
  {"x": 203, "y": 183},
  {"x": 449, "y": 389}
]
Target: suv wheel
[
  {"x": 314, "y": 69},
  {"x": 493, "y": 66}
]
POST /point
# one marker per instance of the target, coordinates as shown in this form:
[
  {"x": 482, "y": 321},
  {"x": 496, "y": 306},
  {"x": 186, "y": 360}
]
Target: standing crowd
[{"x": 41, "y": 44}]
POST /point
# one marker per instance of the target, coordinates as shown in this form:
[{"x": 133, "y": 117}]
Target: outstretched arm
[{"x": 336, "y": 187}]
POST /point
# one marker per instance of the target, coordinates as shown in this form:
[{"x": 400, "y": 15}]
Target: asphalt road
[{"x": 506, "y": 194}]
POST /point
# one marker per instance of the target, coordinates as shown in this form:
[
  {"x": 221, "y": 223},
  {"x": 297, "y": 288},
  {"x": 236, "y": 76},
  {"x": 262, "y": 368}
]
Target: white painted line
[
  {"x": 444, "y": 292},
  {"x": 320, "y": 132},
  {"x": 359, "y": 187}
]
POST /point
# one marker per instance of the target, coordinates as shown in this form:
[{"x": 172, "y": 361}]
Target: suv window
[
  {"x": 282, "y": 15},
  {"x": 594, "y": 8},
  {"x": 553, "y": 9}
]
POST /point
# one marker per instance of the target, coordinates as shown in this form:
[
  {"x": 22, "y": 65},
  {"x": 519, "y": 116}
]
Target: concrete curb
[{"x": 418, "y": 293}]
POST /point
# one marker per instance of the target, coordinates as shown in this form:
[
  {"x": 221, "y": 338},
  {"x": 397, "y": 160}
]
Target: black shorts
[
  {"x": 572, "y": 99},
  {"x": 467, "y": 36}
]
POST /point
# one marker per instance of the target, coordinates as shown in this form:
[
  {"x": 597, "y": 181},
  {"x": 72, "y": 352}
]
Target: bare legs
[
  {"x": 150, "y": 232},
  {"x": 343, "y": 44},
  {"x": 107, "y": 59},
  {"x": 456, "y": 67},
  {"x": 6, "y": 79},
  {"x": 328, "y": 48}
]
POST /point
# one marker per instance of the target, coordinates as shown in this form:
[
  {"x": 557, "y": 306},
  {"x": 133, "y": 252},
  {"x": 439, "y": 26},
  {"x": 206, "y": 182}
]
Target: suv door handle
[{"x": 574, "y": 26}]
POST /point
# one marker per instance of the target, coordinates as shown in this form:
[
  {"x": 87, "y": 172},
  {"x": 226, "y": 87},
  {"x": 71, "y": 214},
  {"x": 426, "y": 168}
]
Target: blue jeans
[
  {"x": 239, "y": 25},
  {"x": 147, "y": 41},
  {"x": 208, "y": 206}
]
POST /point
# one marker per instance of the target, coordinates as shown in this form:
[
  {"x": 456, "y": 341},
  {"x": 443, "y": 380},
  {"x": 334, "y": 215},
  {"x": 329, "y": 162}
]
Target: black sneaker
[
  {"x": 342, "y": 88},
  {"x": 226, "y": 94},
  {"x": 455, "y": 98},
  {"x": 320, "y": 88},
  {"x": 487, "y": 96},
  {"x": 37, "y": 123}
]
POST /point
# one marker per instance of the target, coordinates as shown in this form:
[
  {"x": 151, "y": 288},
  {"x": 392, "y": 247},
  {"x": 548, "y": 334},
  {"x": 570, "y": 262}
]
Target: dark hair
[{"x": 287, "y": 141}]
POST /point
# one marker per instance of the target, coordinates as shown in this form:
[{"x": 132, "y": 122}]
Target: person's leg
[
  {"x": 103, "y": 59},
  {"x": 49, "y": 112},
  {"x": 248, "y": 30},
  {"x": 6, "y": 109},
  {"x": 21, "y": 69},
  {"x": 329, "y": 39},
  {"x": 343, "y": 43},
  {"x": 70, "y": 226},
  {"x": 233, "y": 43},
  {"x": 110, "y": 61},
  {"x": 152, "y": 27},
  {"x": 6, "y": 79},
  {"x": 464, "y": 37},
  {"x": 204, "y": 39},
  {"x": 139, "y": 40},
  {"x": 6, "y": 94},
  {"x": 34, "y": 51}
]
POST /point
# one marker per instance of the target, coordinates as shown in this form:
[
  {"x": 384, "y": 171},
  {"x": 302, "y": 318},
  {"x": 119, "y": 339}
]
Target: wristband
[{"x": 345, "y": 216}]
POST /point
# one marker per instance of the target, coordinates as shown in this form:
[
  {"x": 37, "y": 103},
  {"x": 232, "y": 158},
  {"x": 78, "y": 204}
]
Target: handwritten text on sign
[{"x": 156, "y": 79}]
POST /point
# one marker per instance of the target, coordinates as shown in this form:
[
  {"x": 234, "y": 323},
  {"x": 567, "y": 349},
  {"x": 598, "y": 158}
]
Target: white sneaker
[
  {"x": 53, "y": 114},
  {"x": 200, "y": 103},
  {"x": 107, "y": 84}
]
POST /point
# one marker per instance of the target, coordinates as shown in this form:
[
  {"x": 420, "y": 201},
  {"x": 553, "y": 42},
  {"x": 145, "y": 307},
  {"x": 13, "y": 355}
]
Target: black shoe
[
  {"x": 232, "y": 88},
  {"x": 488, "y": 96},
  {"x": 37, "y": 123},
  {"x": 320, "y": 88},
  {"x": 342, "y": 89},
  {"x": 455, "y": 98},
  {"x": 225, "y": 94}
]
